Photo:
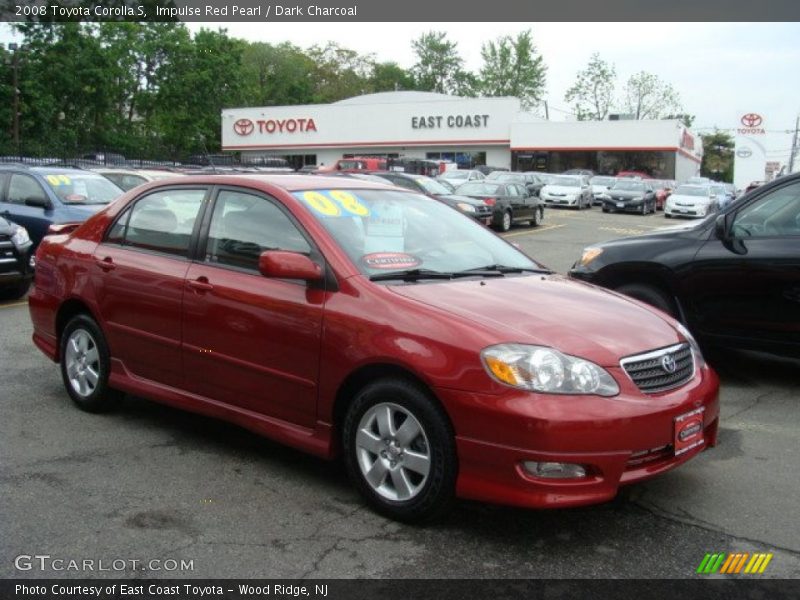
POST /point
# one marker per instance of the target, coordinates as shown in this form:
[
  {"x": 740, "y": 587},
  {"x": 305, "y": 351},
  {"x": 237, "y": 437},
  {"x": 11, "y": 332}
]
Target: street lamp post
[{"x": 15, "y": 119}]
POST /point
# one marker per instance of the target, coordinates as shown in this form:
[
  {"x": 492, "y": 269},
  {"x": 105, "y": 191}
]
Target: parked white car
[
  {"x": 691, "y": 201},
  {"x": 568, "y": 190},
  {"x": 459, "y": 176}
]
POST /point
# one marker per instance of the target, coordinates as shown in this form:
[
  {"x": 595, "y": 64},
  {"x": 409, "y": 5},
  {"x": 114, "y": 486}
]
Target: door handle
[
  {"x": 200, "y": 284},
  {"x": 107, "y": 263}
]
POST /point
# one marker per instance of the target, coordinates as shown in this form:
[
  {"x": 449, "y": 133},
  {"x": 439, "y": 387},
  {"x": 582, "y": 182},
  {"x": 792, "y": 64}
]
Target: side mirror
[
  {"x": 721, "y": 227},
  {"x": 39, "y": 201},
  {"x": 282, "y": 264}
]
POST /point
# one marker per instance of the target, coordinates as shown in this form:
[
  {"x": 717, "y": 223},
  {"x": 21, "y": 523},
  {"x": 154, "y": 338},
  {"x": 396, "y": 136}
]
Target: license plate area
[
  {"x": 620, "y": 205},
  {"x": 688, "y": 431}
]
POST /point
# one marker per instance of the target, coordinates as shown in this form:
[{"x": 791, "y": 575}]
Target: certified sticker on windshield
[{"x": 390, "y": 260}]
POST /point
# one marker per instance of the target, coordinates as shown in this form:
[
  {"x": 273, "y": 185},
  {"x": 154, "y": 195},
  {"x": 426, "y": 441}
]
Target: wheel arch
[
  {"x": 655, "y": 275},
  {"x": 69, "y": 309},
  {"x": 361, "y": 377}
]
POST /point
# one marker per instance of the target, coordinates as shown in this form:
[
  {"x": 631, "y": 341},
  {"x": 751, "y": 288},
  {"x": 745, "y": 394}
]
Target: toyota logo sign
[
  {"x": 751, "y": 120},
  {"x": 243, "y": 127},
  {"x": 668, "y": 363},
  {"x": 744, "y": 152}
]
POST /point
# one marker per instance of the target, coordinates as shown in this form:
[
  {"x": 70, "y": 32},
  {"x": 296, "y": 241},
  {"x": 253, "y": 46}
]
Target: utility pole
[
  {"x": 15, "y": 121},
  {"x": 795, "y": 147}
]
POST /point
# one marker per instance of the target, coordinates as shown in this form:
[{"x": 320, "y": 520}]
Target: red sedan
[{"x": 345, "y": 317}]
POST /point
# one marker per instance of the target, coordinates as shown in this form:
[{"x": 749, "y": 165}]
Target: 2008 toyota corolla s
[{"x": 375, "y": 323}]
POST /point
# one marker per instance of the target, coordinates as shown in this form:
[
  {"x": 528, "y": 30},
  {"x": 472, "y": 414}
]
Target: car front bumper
[
  {"x": 626, "y": 205},
  {"x": 618, "y": 440}
]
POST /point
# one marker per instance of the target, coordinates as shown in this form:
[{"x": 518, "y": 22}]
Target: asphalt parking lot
[{"x": 151, "y": 483}]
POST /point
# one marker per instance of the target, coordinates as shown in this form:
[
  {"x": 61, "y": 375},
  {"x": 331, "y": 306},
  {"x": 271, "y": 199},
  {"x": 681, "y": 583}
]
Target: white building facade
[{"x": 468, "y": 131}]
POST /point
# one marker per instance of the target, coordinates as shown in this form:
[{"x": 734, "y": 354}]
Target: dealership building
[{"x": 468, "y": 131}]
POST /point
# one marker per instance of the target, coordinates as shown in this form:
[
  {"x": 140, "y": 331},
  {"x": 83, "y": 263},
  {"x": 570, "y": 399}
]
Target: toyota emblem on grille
[{"x": 668, "y": 363}]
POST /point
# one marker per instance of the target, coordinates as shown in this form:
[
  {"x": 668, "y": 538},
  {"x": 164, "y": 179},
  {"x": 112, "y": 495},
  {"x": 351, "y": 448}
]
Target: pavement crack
[
  {"x": 750, "y": 406},
  {"x": 684, "y": 517}
]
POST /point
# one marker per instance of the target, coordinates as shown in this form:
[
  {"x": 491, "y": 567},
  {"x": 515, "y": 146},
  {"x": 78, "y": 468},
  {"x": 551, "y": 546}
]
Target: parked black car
[
  {"x": 732, "y": 278},
  {"x": 477, "y": 209},
  {"x": 16, "y": 266},
  {"x": 630, "y": 195},
  {"x": 511, "y": 202},
  {"x": 530, "y": 180}
]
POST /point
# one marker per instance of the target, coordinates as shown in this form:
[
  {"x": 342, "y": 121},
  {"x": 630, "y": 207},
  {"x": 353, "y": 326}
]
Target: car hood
[
  {"x": 625, "y": 194},
  {"x": 6, "y": 228},
  {"x": 551, "y": 310},
  {"x": 460, "y": 198},
  {"x": 689, "y": 199},
  {"x": 561, "y": 189}
]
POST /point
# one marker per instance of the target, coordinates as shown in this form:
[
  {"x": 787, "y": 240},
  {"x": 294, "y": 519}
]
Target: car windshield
[
  {"x": 386, "y": 231},
  {"x": 566, "y": 181},
  {"x": 432, "y": 186},
  {"x": 455, "y": 174},
  {"x": 691, "y": 190},
  {"x": 81, "y": 188},
  {"x": 602, "y": 181},
  {"x": 629, "y": 186},
  {"x": 480, "y": 189},
  {"x": 506, "y": 176}
]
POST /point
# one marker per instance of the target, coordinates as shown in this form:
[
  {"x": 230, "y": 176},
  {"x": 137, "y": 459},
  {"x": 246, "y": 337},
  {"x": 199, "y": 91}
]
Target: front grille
[{"x": 652, "y": 372}]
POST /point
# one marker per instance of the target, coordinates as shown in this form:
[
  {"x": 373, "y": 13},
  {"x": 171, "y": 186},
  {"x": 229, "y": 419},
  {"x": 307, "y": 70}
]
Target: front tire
[
  {"x": 85, "y": 365},
  {"x": 16, "y": 291},
  {"x": 505, "y": 223},
  {"x": 399, "y": 450}
]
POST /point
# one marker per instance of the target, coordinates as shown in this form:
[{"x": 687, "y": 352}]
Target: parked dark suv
[
  {"x": 37, "y": 197},
  {"x": 733, "y": 278},
  {"x": 16, "y": 268}
]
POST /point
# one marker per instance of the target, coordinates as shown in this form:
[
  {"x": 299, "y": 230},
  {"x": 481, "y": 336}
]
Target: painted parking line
[
  {"x": 532, "y": 231},
  {"x": 23, "y": 303}
]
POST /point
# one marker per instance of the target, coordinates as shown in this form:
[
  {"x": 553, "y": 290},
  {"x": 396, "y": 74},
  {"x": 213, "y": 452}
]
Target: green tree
[
  {"x": 718, "y": 148},
  {"x": 439, "y": 67},
  {"x": 593, "y": 91},
  {"x": 648, "y": 97},
  {"x": 684, "y": 118},
  {"x": 277, "y": 75},
  {"x": 203, "y": 76},
  {"x": 389, "y": 77},
  {"x": 339, "y": 72},
  {"x": 512, "y": 67}
]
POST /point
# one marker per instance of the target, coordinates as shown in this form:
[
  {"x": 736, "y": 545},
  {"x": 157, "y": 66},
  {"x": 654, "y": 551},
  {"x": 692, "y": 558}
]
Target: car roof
[
  {"x": 290, "y": 182},
  {"x": 45, "y": 169}
]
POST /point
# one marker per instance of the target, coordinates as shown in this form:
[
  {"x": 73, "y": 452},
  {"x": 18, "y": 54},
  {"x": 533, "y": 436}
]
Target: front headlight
[
  {"x": 464, "y": 207},
  {"x": 692, "y": 342},
  {"x": 589, "y": 254},
  {"x": 20, "y": 237},
  {"x": 546, "y": 370}
]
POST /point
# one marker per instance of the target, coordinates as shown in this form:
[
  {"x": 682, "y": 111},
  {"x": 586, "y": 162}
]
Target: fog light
[
  {"x": 32, "y": 262},
  {"x": 554, "y": 470}
]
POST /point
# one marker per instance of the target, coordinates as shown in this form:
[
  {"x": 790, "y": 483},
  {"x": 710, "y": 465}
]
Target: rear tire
[
  {"x": 86, "y": 365},
  {"x": 399, "y": 450},
  {"x": 16, "y": 291},
  {"x": 538, "y": 215},
  {"x": 650, "y": 294}
]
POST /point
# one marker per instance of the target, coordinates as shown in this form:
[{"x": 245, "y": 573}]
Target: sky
[{"x": 720, "y": 70}]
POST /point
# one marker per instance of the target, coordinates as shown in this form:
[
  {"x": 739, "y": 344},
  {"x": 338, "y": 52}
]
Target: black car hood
[
  {"x": 457, "y": 198},
  {"x": 624, "y": 194},
  {"x": 6, "y": 228}
]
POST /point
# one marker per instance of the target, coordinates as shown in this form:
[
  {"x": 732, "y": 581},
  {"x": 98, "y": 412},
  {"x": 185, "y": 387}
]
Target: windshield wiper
[
  {"x": 411, "y": 275},
  {"x": 501, "y": 269}
]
